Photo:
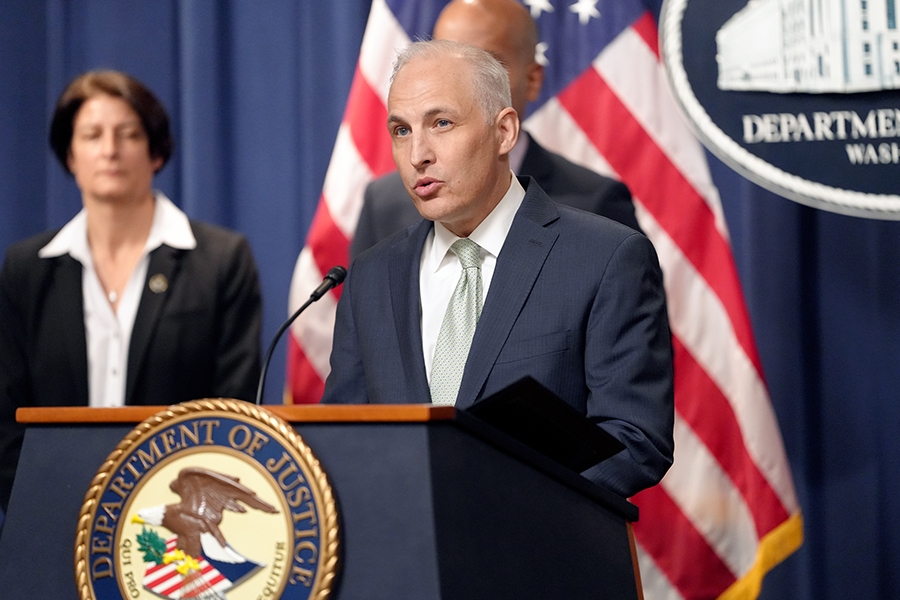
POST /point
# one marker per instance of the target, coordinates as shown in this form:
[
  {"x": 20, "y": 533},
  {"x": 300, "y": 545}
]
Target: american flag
[
  {"x": 166, "y": 581},
  {"x": 726, "y": 512}
]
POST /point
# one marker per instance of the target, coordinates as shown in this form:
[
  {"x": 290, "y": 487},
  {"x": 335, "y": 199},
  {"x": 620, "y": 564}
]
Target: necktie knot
[{"x": 468, "y": 252}]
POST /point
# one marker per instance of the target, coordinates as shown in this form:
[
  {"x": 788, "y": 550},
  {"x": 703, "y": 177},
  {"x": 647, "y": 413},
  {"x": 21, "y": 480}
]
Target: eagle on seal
[{"x": 195, "y": 520}]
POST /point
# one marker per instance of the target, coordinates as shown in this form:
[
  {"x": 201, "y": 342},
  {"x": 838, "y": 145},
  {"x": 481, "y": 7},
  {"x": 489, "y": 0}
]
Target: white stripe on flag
[
  {"x": 656, "y": 585},
  {"x": 553, "y": 127},
  {"x": 712, "y": 503},
  {"x": 345, "y": 183},
  {"x": 383, "y": 38},
  {"x": 312, "y": 329}
]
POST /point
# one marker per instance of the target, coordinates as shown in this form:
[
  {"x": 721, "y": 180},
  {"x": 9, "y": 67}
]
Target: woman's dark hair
[{"x": 118, "y": 85}]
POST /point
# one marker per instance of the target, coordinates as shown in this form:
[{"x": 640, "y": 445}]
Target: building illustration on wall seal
[
  {"x": 801, "y": 97},
  {"x": 810, "y": 46}
]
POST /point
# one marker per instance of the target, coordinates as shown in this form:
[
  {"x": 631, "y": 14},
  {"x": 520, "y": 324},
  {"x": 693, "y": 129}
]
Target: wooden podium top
[
  {"x": 318, "y": 413},
  {"x": 350, "y": 413}
]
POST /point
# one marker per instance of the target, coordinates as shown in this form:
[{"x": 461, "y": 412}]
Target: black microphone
[{"x": 333, "y": 278}]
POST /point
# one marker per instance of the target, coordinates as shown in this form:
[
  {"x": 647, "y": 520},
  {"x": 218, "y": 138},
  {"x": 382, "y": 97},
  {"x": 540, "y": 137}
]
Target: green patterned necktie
[{"x": 458, "y": 326}]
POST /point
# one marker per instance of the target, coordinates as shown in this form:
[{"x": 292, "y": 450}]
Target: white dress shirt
[
  {"x": 439, "y": 269},
  {"x": 108, "y": 332}
]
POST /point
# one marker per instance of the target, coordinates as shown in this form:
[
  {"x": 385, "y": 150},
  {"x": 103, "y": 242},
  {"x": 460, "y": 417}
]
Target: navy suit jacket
[
  {"x": 576, "y": 301},
  {"x": 387, "y": 207},
  {"x": 198, "y": 338}
]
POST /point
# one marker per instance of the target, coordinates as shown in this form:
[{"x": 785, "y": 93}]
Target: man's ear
[
  {"x": 508, "y": 129},
  {"x": 534, "y": 74}
]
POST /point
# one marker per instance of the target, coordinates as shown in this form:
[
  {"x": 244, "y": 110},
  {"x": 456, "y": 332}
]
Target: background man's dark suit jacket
[
  {"x": 387, "y": 207},
  {"x": 197, "y": 339},
  {"x": 576, "y": 301}
]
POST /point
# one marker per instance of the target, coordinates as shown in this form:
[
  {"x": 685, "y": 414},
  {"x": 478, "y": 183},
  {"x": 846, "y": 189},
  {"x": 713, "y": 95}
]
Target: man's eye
[
  {"x": 401, "y": 131},
  {"x": 443, "y": 123}
]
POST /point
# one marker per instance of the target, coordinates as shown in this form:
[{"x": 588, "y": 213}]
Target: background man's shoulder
[{"x": 574, "y": 185}]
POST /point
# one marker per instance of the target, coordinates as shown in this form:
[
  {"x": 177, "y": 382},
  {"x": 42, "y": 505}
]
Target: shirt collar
[
  {"x": 71, "y": 239},
  {"x": 170, "y": 227},
  {"x": 490, "y": 233}
]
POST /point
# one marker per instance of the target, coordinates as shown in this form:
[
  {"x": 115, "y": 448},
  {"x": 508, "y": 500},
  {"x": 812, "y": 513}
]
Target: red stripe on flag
[
  {"x": 305, "y": 385},
  {"x": 206, "y": 568},
  {"x": 714, "y": 422},
  {"x": 663, "y": 190},
  {"x": 366, "y": 116},
  {"x": 171, "y": 589},
  {"x": 645, "y": 27},
  {"x": 161, "y": 578},
  {"x": 328, "y": 243},
  {"x": 693, "y": 567}
]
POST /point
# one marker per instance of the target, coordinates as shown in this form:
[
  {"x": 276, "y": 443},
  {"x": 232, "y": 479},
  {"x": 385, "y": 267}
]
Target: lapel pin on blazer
[{"x": 158, "y": 283}]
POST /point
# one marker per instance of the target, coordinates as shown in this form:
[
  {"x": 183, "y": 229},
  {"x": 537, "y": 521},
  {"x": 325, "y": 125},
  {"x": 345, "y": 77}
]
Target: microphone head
[{"x": 337, "y": 274}]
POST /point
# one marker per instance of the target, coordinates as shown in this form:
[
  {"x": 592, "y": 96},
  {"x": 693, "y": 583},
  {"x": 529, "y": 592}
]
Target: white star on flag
[
  {"x": 540, "y": 54},
  {"x": 538, "y": 7},
  {"x": 585, "y": 9}
]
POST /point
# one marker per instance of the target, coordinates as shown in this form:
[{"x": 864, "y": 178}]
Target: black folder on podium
[
  {"x": 434, "y": 503},
  {"x": 533, "y": 415}
]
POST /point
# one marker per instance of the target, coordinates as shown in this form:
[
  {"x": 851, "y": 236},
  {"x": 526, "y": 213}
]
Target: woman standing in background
[{"x": 130, "y": 302}]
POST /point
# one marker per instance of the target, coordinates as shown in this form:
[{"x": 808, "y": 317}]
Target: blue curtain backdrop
[{"x": 256, "y": 91}]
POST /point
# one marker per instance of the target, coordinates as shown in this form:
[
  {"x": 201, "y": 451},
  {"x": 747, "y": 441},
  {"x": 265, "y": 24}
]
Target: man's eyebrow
[
  {"x": 429, "y": 114},
  {"x": 393, "y": 119},
  {"x": 437, "y": 110}
]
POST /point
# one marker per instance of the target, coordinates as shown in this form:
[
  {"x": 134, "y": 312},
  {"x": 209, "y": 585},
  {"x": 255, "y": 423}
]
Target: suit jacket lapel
[
  {"x": 524, "y": 252},
  {"x": 164, "y": 262},
  {"x": 405, "y": 257},
  {"x": 69, "y": 306}
]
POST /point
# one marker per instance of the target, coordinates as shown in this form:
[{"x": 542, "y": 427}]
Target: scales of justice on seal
[{"x": 221, "y": 498}]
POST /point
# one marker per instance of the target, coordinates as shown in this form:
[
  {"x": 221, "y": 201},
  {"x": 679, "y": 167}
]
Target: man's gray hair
[{"x": 489, "y": 77}]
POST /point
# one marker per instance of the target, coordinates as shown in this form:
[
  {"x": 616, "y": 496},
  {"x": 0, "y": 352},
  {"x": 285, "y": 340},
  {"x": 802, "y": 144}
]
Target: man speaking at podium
[{"x": 498, "y": 282}]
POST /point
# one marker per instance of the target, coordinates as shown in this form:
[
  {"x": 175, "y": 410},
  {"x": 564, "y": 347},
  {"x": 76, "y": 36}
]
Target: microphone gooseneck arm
[{"x": 333, "y": 278}]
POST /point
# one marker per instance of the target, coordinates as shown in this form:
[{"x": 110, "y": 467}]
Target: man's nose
[{"x": 420, "y": 152}]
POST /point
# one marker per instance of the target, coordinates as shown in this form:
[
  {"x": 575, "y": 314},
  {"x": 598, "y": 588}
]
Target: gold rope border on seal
[{"x": 328, "y": 553}]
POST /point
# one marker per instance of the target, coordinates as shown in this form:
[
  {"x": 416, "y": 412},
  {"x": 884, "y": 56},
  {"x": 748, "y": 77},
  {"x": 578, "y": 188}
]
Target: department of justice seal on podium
[{"x": 209, "y": 499}]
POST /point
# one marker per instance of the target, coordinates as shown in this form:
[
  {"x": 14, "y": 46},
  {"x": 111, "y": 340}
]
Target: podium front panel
[{"x": 427, "y": 511}]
